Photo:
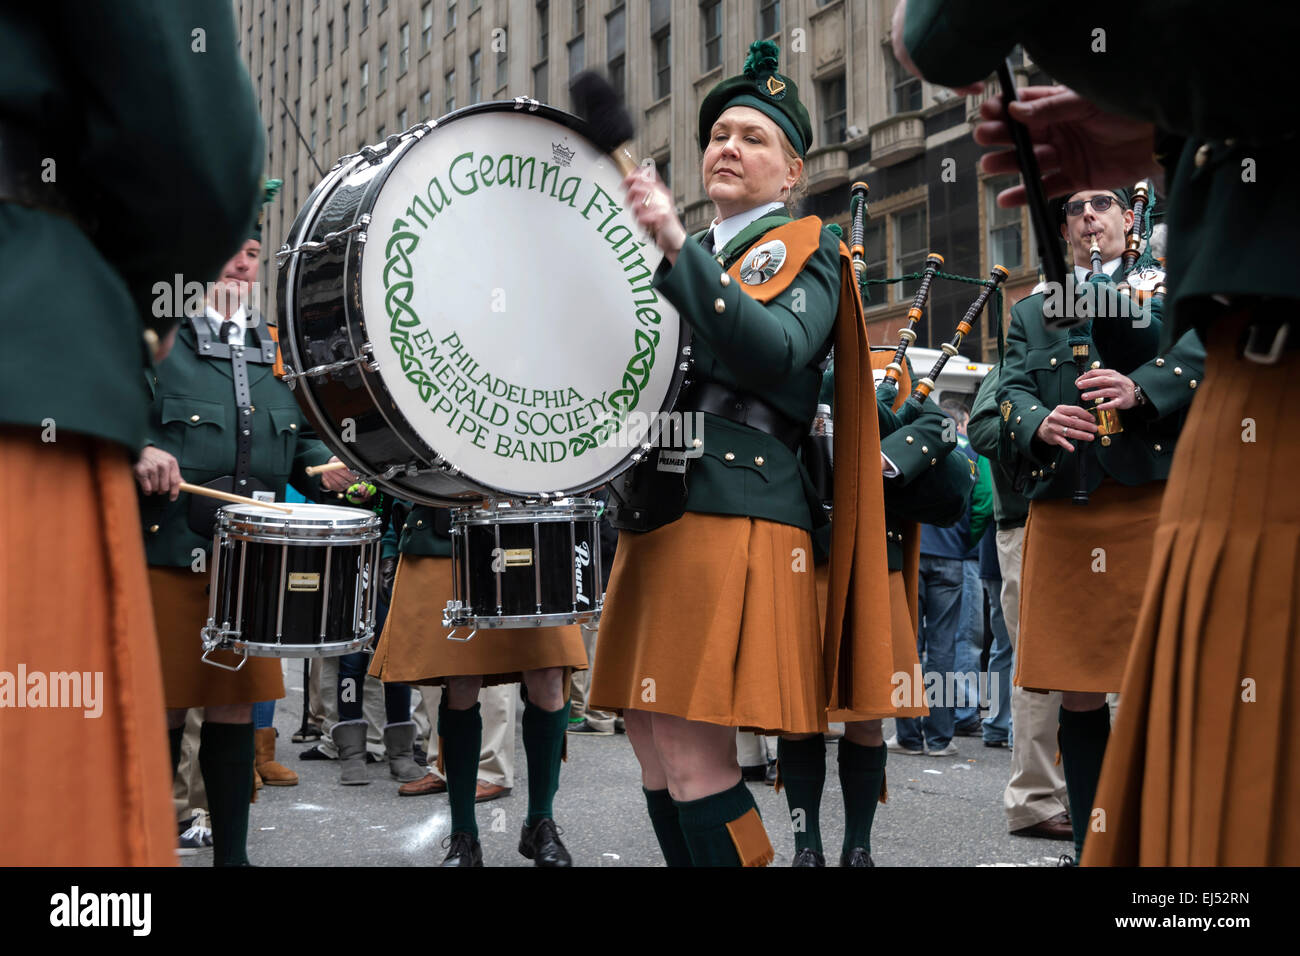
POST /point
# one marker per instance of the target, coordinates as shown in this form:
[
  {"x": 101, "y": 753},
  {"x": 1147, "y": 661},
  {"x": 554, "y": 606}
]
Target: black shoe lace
[
  {"x": 458, "y": 844},
  {"x": 1066, "y": 860}
]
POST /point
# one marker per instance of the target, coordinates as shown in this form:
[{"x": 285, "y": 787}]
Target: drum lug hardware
[
  {"x": 451, "y": 636},
  {"x": 368, "y": 355},
  {"x": 366, "y": 360},
  {"x": 528, "y": 102},
  {"x": 330, "y": 238}
]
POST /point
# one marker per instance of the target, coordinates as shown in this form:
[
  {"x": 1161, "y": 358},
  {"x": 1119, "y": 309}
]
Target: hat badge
[{"x": 774, "y": 86}]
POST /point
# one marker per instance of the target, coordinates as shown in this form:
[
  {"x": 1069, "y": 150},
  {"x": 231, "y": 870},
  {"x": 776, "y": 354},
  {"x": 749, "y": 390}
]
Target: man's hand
[
  {"x": 158, "y": 473},
  {"x": 337, "y": 480},
  {"x": 1066, "y": 422},
  {"x": 1109, "y": 384},
  {"x": 1078, "y": 144}
]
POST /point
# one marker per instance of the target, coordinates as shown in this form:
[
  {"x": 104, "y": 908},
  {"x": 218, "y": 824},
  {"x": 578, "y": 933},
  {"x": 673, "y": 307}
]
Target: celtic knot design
[
  {"x": 397, "y": 304},
  {"x": 624, "y": 399}
]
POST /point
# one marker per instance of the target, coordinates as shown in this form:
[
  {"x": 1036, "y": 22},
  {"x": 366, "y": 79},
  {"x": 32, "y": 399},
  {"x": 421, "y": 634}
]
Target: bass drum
[{"x": 467, "y": 311}]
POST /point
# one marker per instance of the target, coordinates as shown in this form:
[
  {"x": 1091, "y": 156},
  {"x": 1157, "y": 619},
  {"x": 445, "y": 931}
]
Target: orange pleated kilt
[
  {"x": 414, "y": 648},
  {"x": 1076, "y": 623},
  {"x": 906, "y": 662},
  {"x": 180, "y": 605},
  {"x": 1203, "y": 765},
  {"x": 714, "y": 618},
  {"x": 79, "y": 790}
]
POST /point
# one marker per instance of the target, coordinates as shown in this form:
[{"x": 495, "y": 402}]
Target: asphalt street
[{"x": 941, "y": 811}]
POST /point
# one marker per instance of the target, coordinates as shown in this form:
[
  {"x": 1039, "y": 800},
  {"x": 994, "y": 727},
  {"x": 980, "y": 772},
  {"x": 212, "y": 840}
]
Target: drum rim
[
  {"x": 353, "y": 258},
  {"x": 350, "y": 525},
  {"x": 533, "y": 514}
]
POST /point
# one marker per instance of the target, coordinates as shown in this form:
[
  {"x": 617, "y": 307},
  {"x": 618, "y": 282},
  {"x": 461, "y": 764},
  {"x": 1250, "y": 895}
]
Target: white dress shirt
[
  {"x": 216, "y": 320},
  {"x": 727, "y": 229}
]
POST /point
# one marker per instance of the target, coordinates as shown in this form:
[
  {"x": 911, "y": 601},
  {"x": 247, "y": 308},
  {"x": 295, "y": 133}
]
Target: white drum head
[{"x": 508, "y": 299}]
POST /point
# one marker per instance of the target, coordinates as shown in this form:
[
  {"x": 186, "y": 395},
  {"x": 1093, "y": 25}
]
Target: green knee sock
[
  {"x": 724, "y": 829},
  {"x": 461, "y": 733},
  {"x": 663, "y": 817},
  {"x": 862, "y": 775},
  {"x": 174, "y": 737},
  {"x": 543, "y": 733},
  {"x": 1082, "y": 737},
  {"x": 226, "y": 761},
  {"x": 803, "y": 775}
]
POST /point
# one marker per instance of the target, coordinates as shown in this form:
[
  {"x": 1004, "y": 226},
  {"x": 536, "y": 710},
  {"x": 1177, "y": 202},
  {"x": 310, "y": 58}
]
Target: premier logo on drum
[{"x": 83, "y": 690}]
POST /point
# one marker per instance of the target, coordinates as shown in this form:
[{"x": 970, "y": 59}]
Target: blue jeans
[
  {"x": 997, "y": 726},
  {"x": 970, "y": 644},
  {"x": 397, "y": 697},
  {"x": 264, "y": 715},
  {"x": 939, "y": 595}
]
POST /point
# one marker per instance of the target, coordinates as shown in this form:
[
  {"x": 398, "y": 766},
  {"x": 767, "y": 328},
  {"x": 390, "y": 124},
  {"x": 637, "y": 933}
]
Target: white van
[{"x": 960, "y": 378}]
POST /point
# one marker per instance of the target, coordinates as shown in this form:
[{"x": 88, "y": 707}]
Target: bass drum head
[{"x": 508, "y": 301}]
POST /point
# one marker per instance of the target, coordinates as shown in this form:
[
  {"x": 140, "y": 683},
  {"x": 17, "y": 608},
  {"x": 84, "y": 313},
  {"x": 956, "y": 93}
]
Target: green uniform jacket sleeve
[
  {"x": 985, "y": 425},
  {"x": 933, "y": 484},
  {"x": 956, "y": 42},
  {"x": 981, "y": 502},
  {"x": 1017, "y": 387},
  {"x": 421, "y": 534},
  {"x": 763, "y": 344},
  {"x": 308, "y": 451},
  {"x": 1170, "y": 380}
]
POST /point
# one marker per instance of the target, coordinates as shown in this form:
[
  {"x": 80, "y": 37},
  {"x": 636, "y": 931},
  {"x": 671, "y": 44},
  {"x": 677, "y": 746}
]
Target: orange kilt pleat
[
  {"x": 1203, "y": 765},
  {"x": 905, "y": 661},
  {"x": 414, "y": 648},
  {"x": 180, "y": 606},
  {"x": 1076, "y": 623},
  {"x": 79, "y": 790},
  {"x": 714, "y": 618}
]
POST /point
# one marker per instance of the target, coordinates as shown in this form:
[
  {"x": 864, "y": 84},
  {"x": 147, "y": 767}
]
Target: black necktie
[
  {"x": 708, "y": 241},
  {"x": 227, "y": 328}
]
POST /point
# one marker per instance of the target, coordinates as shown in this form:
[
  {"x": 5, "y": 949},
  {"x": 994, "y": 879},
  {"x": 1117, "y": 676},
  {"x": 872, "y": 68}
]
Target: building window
[
  {"x": 577, "y": 56},
  {"x": 1005, "y": 246},
  {"x": 769, "y": 17},
  {"x": 379, "y": 134},
  {"x": 329, "y": 117},
  {"x": 383, "y": 5},
  {"x": 403, "y": 49},
  {"x": 347, "y": 24},
  {"x": 329, "y": 43},
  {"x": 503, "y": 66},
  {"x": 383, "y": 67},
  {"x": 315, "y": 57},
  {"x": 365, "y": 86},
  {"x": 539, "y": 82},
  {"x": 312, "y": 138},
  {"x": 616, "y": 49},
  {"x": 663, "y": 63},
  {"x": 475, "y": 76},
  {"x": 873, "y": 241},
  {"x": 579, "y": 17},
  {"x": 365, "y": 14},
  {"x": 831, "y": 102},
  {"x": 910, "y": 249},
  {"x": 449, "y": 85},
  {"x": 906, "y": 87},
  {"x": 451, "y": 15},
  {"x": 711, "y": 33},
  {"x": 664, "y": 165},
  {"x": 343, "y": 104},
  {"x": 402, "y": 125},
  {"x": 426, "y": 27},
  {"x": 426, "y": 106},
  {"x": 543, "y": 30},
  {"x": 474, "y": 5}
]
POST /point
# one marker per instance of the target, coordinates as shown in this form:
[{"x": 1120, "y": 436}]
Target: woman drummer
[{"x": 711, "y": 621}]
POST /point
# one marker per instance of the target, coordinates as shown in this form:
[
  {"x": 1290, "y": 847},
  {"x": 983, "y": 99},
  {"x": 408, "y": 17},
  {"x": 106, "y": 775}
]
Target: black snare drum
[
  {"x": 292, "y": 585},
  {"x": 525, "y": 565}
]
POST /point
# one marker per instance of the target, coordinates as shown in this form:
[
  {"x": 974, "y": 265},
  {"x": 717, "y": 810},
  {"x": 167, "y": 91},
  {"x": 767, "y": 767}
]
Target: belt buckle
[{"x": 1274, "y": 353}]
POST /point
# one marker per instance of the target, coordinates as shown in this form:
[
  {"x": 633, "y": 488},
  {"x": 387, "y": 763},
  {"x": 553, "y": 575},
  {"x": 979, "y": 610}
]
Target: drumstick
[
  {"x": 328, "y": 466},
  {"x": 611, "y": 125},
  {"x": 226, "y": 496}
]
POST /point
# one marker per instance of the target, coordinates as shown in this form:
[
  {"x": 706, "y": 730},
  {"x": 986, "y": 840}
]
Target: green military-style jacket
[
  {"x": 419, "y": 535},
  {"x": 152, "y": 133},
  {"x": 1010, "y": 508},
  {"x": 1148, "y": 60},
  {"x": 192, "y": 416},
  {"x": 769, "y": 349},
  {"x": 1038, "y": 373}
]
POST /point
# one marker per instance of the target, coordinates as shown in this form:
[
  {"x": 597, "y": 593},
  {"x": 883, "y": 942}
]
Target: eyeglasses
[{"x": 1099, "y": 204}]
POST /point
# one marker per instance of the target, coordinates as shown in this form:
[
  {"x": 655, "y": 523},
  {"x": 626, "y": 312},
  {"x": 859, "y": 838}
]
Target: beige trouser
[
  {"x": 496, "y": 762},
  {"x": 1036, "y": 790},
  {"x": 188, "y": 794},
  {"x": 581, "y": 686}
]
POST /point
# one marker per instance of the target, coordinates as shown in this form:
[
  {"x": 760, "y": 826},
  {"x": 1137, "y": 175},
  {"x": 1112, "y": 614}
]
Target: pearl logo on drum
[{"x": 581, "y": 559}]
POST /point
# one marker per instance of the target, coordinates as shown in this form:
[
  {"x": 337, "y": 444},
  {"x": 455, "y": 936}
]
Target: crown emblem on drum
[{"x": 562, "y": 156}]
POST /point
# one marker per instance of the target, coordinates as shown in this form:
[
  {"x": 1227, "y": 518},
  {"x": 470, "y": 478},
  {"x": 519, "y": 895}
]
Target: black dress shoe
[
  {"x": 755, "y": 773},
  {"x": 541, "y": 844},
  {"x": 808, "y": 857},
  {"x": 464, "y": 850},
  {"x": 858, "y": 856}
]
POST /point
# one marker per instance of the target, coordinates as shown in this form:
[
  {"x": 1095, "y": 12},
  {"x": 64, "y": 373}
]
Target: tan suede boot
[{"x": 273, "y": 774}]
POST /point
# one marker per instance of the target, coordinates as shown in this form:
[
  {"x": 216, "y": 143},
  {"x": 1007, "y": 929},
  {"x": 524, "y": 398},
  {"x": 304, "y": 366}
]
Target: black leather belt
[
  {"x": 23, "y": 163},
  {"x": 745, "y": 410}
]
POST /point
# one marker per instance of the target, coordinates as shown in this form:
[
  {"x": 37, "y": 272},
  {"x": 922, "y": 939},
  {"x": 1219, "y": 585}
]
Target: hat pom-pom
[
  {"x": 763, "y": 58},
  {"x": 270, "y": 188}
]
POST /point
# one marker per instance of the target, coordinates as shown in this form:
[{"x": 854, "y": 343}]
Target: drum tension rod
[
  {"x": 366, "y": 360},
  {"x": 330, "y": 238}
]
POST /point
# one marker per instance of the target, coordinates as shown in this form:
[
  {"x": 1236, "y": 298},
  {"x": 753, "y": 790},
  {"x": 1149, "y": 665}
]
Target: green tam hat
[
  {"x": 1125, "y": 197},
  {"x": 760, "y": 86},
  {"x": 269, "y": 188}
]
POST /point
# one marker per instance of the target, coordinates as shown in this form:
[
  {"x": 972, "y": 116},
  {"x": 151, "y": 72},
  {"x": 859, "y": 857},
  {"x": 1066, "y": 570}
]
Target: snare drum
[
  {"x": 469, "y": 312},
  {"x": 292, "y": 585},
  {"x": 525, "y": 565}
]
